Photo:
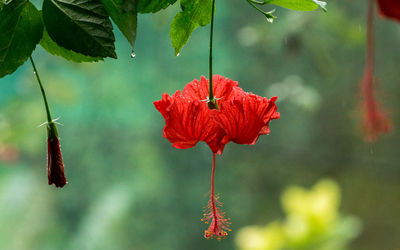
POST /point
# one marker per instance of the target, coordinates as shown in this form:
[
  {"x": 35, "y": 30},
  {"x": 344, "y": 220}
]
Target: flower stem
[
  {"x": 211, "y": 99},
  {"x": 49, "y": 120},
  {"x": 268, "y": 15},
  {"x": 258, "y": 2}
]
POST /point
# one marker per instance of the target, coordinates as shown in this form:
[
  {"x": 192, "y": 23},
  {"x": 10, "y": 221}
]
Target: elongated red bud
[{"x": 55, "y": 165}]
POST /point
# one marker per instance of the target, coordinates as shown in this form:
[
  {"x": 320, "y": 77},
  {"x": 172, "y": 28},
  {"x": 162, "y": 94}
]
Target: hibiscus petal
[
  {"x": 266, "y": 109},
  {"x": 246, "y": 118},
  {"x": 188, "y": 121},
  {"x": 222, "y": 87}
]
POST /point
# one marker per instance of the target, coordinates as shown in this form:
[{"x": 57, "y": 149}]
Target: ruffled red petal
[
  {"x": 245, "y": 118},
  {"x": 188, "y": 121},
  {"x": 222, "y": 87},
  {"x": 390, "y": 9}
]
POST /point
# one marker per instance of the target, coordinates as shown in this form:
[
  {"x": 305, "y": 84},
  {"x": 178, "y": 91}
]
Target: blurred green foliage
[
  {"x": 312, "y": 222},
  {"x": 130, "y": 189}
]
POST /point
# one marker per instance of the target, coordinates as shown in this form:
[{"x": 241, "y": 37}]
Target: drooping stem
[
  {"x": 49, "y": 120},
  {"x": 210, "y": 87},
  {"x": 258, "y": 2},
  {"x": 268, "y": 15},
  {"x": 252, "y": 3}
]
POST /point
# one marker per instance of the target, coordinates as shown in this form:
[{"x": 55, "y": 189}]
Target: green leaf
[
  {"x": 302, "y": 5},
  {"x": 52, "y": 47},
  {"x": 123, "y": 13},
  {"x": 152, "y": 6},
  {"x": 194, "y": 13},
  {"x": 80, "y": 25},
  {"x": 21, "y": 29}
]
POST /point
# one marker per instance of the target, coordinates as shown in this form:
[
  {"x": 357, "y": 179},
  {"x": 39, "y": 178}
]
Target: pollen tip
[{"x": 218, "y": 224}]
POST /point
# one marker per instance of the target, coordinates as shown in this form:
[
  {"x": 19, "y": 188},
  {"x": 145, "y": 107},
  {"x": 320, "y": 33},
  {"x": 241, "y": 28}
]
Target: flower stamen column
[{"x": 212, "y": 212}]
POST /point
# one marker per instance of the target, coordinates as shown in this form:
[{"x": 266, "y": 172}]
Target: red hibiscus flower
[
  {"x": 236, "y": 116},
  {"x": 390, "y": 9},
  {"x": 242, "y": 117}
]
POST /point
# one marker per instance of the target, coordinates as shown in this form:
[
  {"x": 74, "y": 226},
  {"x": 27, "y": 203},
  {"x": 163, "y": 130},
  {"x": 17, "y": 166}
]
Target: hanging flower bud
[{"x": 55, "y": 165}]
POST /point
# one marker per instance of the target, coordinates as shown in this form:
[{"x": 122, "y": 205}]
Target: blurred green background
[{"x": 130, "y": 189}]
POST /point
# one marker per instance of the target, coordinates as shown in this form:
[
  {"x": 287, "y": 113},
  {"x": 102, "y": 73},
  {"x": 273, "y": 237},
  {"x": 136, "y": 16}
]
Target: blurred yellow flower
[
  {"x": 260, "y": 238},
  {"x": 310, "y": 212},
  {"x": 313, "y": 222}
]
